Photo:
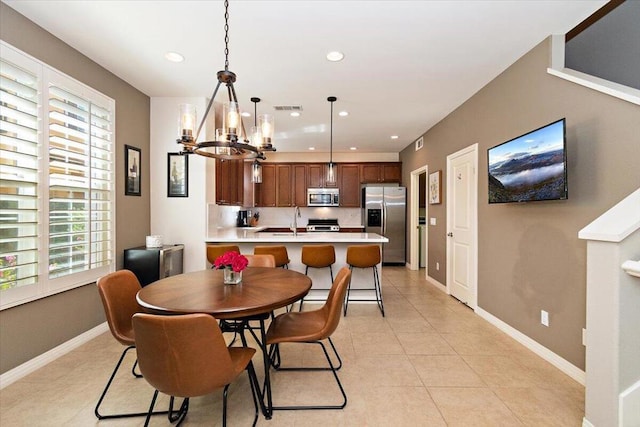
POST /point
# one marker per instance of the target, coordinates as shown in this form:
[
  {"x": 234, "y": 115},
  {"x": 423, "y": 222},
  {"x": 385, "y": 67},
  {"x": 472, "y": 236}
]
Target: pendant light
[
  {"x": 231, "y": 140},
  {"x": 257, "y": 141},
  {"x": 332, "y": 167}
]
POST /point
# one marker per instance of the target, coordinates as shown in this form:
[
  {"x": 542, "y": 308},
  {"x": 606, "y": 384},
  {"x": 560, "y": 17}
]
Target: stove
[{"x": 323, "y": 224}]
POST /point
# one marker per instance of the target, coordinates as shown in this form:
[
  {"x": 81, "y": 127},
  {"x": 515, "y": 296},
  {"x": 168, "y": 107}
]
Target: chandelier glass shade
[{"x": 231, "y": 140}]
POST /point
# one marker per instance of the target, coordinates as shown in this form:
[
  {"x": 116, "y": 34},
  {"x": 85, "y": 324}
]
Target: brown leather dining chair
[
  {"x": 278, "y": 251},
  {"x": 264, "y": 260},
  {"x": 214, "y": 251},
  {"x": 118, "y": 294},
  {"x": 186, "y": 356},
  {"x": 311, "y": 327},
  {"x": 317, "y": 256}
]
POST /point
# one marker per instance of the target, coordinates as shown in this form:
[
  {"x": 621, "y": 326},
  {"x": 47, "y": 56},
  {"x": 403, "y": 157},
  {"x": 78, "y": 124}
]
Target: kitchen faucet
[{"x": 296, "y": 215}]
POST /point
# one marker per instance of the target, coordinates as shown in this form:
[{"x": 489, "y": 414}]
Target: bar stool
[
  {"x": 214, "y": 251},
  {"x": 365, "y": 256},
  {"x": 318, "y": 256},
  {"x": 278, "y": 252}
]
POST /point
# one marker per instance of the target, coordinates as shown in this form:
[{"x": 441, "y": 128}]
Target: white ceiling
[{"x": 407, "y": 63}]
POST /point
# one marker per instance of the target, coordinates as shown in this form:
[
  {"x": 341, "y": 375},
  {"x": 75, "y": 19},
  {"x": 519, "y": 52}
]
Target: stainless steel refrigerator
[{"x": 385, "y": 214}]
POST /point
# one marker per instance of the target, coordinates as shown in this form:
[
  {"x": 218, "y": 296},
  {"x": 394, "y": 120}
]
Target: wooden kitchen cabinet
[
  {"x": 233, "y": 183},
  {"x": 317, "y": 175},
  {"x": 229, "y": 182},
  {"x": 349, "y": 184},
  {"x": 284, "y": 185},
  {"x": 276, "y": 189},
  {"x": 299, "y": 185},
  {"x": 372, "y": 173},
  {"x": 266, "y": 191}
]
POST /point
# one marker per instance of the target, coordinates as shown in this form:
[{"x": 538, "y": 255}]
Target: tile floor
[{"x": 430, "y": 362}]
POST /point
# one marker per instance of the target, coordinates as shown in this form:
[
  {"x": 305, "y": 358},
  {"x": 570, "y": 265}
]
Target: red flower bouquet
[{"x": 233, "y": 260}]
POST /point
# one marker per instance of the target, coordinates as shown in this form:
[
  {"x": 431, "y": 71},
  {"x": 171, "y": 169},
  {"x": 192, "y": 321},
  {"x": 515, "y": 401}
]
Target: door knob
[{"x": 450, "y": 234}]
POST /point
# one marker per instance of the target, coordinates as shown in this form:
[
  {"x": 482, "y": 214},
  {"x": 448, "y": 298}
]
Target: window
[{"x": 57, "y": 182}]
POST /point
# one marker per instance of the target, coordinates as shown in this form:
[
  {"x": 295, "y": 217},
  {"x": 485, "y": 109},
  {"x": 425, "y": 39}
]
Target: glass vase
[{"x": 232, "y": 277}]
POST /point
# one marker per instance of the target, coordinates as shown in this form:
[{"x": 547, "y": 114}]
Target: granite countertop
[{"x": 253, "y": 235}]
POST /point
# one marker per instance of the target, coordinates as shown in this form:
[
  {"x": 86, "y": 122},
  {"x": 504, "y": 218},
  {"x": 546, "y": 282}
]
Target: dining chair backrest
[
  {"x": 278, "y": 251},
  {"x": 183, "y": 356},
  {"x": 214, "y": 251},
  {"x": 332, "y": 309},
  {"x": 118, "y": 294},
  {"x": 265, "y": 260}
]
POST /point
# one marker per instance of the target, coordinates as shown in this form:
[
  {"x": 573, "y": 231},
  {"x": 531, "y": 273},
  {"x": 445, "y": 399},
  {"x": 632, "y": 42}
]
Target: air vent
[{"x": 288, "y": 108}]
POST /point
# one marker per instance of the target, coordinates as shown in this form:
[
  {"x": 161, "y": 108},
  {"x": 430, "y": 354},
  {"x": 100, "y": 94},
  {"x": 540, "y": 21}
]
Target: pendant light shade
[
  {"x": 332, "y": 167},
  {"x": 256, "y": 172},
  {"x": 231, "y": 140}
]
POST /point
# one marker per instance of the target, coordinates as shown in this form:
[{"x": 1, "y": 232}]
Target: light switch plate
[{"x": 432, "y": 221}]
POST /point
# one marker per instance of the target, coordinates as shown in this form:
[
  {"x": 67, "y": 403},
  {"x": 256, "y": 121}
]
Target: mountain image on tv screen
[{"x": 530, "y": 167}]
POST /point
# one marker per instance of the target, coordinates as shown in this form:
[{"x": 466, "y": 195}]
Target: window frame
[{"x": 47, "y": 77}]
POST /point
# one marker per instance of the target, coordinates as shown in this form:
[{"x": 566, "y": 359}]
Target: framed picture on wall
[
  {"x": 435, "y": 188},
  {"x": 132, "y": 166},
  {"x": 177, "y": 175}
]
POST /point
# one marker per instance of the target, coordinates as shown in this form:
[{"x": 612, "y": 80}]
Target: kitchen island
[{"x": 247, "y": 238}]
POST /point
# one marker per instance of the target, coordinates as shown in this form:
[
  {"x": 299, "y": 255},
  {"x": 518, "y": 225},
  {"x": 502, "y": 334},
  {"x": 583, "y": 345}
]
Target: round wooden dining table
[{"x": 261, "y": 291}]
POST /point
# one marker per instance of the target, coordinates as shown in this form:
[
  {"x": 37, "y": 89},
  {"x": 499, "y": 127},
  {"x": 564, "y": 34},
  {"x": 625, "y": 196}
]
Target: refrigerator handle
[{"x": 384, "y": 218}]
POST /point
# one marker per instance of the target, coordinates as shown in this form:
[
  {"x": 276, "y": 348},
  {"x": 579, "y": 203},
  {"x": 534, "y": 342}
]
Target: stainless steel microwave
[{"x": 323, "y": 197}]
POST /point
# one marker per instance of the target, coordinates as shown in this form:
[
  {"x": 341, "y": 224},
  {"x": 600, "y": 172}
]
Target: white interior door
[{"x": 462, "y": 225}]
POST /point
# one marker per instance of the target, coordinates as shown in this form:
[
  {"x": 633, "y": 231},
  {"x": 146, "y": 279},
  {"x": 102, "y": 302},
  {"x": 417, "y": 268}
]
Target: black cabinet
[{"x": 151, "y": 264}]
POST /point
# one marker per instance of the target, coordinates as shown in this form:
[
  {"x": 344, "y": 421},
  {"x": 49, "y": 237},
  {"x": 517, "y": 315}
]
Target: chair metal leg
[
  {"x": 253, "y": 382},
  {"x": 224, "y": 405},
  {"x": 376, "y": 286},
  {"x": 96, "y": 411},
  {"x": 331, "y": 368}
]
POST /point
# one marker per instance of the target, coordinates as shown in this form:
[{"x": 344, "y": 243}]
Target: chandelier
[{"x": 231, "y": 140}]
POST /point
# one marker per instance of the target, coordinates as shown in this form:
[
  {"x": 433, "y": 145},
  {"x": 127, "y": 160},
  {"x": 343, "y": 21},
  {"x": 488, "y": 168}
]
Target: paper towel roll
[{"x": 154, "y": 241}]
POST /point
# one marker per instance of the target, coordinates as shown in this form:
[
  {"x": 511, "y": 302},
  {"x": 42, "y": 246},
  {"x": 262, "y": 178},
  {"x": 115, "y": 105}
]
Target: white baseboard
[
  {"x": 437, "y": 284},
  {"x": 38, "y": 362},
  {"x": 548, "y": 355}
]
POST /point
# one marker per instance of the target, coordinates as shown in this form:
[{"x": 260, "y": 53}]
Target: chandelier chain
[{"x": 226, "y": 35}]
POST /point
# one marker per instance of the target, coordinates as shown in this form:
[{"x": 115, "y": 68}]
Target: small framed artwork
[
  {"x": 177, "y": 175},
  {"x": 435, "y": 189},
  {"x": 419, "y": 143},
  {"x": 132, "y": 170}
]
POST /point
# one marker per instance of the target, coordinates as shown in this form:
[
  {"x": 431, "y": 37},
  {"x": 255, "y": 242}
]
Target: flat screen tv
[{"x": 530, "y": 167}]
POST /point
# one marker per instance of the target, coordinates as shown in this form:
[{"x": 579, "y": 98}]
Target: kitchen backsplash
[{"x": 225, "y": 216}]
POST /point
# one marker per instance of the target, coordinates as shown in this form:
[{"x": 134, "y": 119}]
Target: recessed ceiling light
[
  {"x": 394, "y": 136},
  {"x": 343, "y": 113},
  {"x": 295, "y": 114},
  {"x": 353, "y": 148},
  {"x": 312, "y": 148},
  {"x": 335, "y": 56},
  {"x": 245, "y": 114},
  {"x": 173, "y": 57}
]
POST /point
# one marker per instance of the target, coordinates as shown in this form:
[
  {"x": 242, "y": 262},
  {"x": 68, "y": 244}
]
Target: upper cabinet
[
  {"x": 317, "y": 176},
  {"x": 230, "y": 189},
  {"x": 276, "y": 189},
  {"x": 372, "y": 173},
  {"x": 349, "y": 184},
  {"x": 286, "y": 184}
]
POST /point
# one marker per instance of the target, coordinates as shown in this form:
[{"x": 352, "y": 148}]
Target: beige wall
[
  {"x": 529, "y": 255},
  {"x": 34, "y": 328}
]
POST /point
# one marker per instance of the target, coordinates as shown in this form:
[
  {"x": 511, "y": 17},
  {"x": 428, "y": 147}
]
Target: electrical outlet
[
  {"x": 544, "y": 318},
  {"x": 438, "y": 266}
]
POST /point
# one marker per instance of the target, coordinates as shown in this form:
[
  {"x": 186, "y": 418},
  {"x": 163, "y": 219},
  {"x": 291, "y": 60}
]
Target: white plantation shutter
[
  {"x": 18, "y": 177},
  {"x": 58, "y": 187}
]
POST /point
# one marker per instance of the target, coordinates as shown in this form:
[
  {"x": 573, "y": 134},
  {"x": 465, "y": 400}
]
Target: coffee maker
[{"x": 244, "y": 218}]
